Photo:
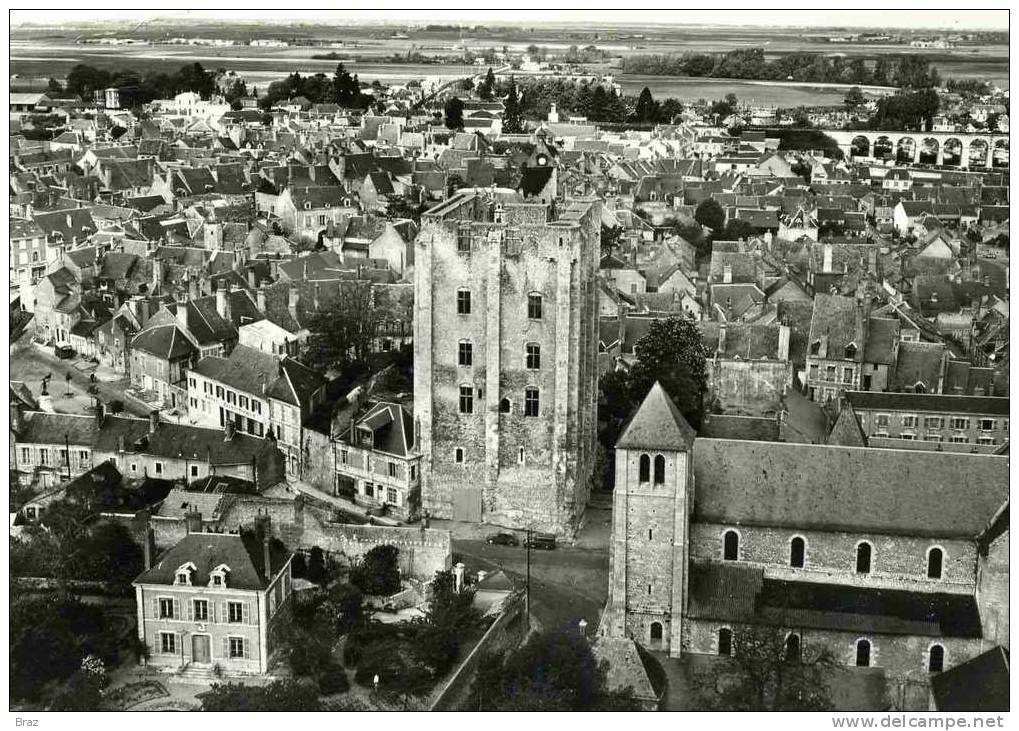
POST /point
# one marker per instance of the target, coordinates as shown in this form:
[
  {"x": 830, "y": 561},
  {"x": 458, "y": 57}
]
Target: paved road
[
  {"x": 43, "y": 363},
  {"x": 567, "y": 584}
]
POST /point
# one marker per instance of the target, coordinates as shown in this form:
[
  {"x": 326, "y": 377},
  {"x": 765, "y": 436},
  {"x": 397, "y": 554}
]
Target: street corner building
[
  {"x": 505, "y": 354},
  {"x": 890, "y": 559}
]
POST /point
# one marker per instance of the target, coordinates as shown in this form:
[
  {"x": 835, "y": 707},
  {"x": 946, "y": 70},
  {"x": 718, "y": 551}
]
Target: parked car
[
  {"x": 544, "y": 541},
  {"x": 63, "y": 351},
  {"x": 503, "y": 539}
]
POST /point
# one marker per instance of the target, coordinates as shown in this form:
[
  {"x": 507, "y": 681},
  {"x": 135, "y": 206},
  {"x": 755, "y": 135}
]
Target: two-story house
[
  {"x": 377, "y": 460},
  {"x": 211, "y": 601},
  {"x": 836, "y": 346},
  {"x": 307, "y": 211}
]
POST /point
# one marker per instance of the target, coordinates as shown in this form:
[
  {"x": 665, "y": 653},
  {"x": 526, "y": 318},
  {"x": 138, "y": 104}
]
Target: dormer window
[
  {"x": 850, "y": 351},
  {"x": 307, "y": 206},
  {"x": 183, "y": 574},
  {"x": 217, "y": 577},
  {"x": 815, "y": 347}
]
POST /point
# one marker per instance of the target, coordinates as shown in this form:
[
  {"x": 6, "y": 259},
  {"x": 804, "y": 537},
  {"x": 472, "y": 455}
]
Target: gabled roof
[
  {"x": 979, "y": 685},
  {"x": 392, "y": 427},
  {"x": 848, "y": 489},
  {"x": 163, "y": 341},
  {"x": 657, "y": 424}
]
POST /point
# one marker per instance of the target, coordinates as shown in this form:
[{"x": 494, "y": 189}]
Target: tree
[
  {"x": 710, "y": 214},
  {"x": 454, "y": 113},
  {"x": 378, "y": 571},
  {"x": 487, "y": 87},
  {"x": 344, "y": 332},
  {"x": 55, "y": 86},
  {"x": 610, "y": 236},
  {"x": 554, "y": 671},
  {"x": 669, "y": 110},
  {"x": 672, "y": 353},
  {"x": 449, "y": 613},
  {"x": 647, "y": 108},
  {"x": 109, "y": 553},
  {"x": 854, "y": 98},
  {"x": 279, "y": 695},
  {"x": 512, "y": 118},
  {"x": 736, "y": 229},
  {"x": 316, "y": 572},
  {"x": 764, "y": 675}
]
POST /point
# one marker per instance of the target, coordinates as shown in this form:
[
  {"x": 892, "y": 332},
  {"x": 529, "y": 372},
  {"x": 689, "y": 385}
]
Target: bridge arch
[
  {"x": 930, "y": 151},
  {"x": 999, "y": 153},
  {"x": 883, "y": 147},
  {"x": 859, "y": 146},
  {"x": 905, "y": 150},
  {"x": 952, "y": 151},
  {"x": 979, "y": 153}
]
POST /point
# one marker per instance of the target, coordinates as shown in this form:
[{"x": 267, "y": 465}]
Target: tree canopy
[
  {"x": 553, "y": 671},
  {"x": 767, "y": 674},
  {"x": 709, "y": 213},
  {"x": 454, "y": 113},
  {"x": 279, "y": 695}
]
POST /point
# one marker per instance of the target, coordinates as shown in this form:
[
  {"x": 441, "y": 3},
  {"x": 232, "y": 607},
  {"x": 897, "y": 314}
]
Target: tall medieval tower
[
  {"x": 651, "y": 508},
  {"x": 505, "y": 355}
]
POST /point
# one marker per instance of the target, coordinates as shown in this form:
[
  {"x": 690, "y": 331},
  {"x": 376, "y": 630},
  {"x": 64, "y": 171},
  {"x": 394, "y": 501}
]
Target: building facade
[
  {"x": 210, "y": 603},
  {"x": 505, "y": 351}
]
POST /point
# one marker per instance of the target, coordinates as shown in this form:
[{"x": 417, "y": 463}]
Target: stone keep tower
[
  {"x": 650, "y": 526},
  {"x": 505, "y": 355}
]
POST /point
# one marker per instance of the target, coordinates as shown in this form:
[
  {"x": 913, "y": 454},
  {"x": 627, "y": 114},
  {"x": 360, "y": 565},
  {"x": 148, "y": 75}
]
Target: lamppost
[{"x": 583, "y": 627}]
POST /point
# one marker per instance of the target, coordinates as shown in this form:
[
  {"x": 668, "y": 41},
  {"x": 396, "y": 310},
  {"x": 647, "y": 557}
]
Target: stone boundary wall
[{"x": 507, "y": 631}]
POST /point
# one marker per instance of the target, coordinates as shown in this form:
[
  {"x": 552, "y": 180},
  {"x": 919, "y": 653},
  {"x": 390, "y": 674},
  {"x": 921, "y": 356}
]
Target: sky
[{"x": 884, "y": 18}]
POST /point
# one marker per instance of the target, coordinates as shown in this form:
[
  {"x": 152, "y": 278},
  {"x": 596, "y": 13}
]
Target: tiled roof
[
  {"x": 979, "y": 685},
  {"x": 657, "y": 424},
  {"x": 976, "y": 405},
  {"x": 820, "y": 487},
  {"x": 242, "y": 553},
  {"x": 164, "y": 341}
]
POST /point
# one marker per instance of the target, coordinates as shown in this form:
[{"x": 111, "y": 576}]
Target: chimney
[
  {"x": 69, "y": 220},
  {"x": 721, "y": 338},
  {"x": 783, "y": 342},
  {"x": 182, "y": 316},
  {"x": 251, "y": 279},
  {"x": 260, "y": 299},
  {"x": 193, "y": 521},
  {"x": 221, "y": 300},
  {"x": 120, "y": 444},
  {"x": 826, "y": 267},
  {"x": 153, "y": 421},
  {"x": 266, "y": 552},
  {"x": 727, "y": 274},
  {"x": 292, "y": 298},
  {"x": 228, "y": 430},
  {"x": 157, "y": 274},
  {"x": 193, "y": 288},
  {"x": 147, "y": 546},
  {"x": 100, "y": 415}
]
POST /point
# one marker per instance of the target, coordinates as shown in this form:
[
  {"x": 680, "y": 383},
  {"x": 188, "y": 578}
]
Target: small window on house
[
  {"x": 168, "y": 643},
  {"x": 463, "y": 302},
  {"x": 797, "y": 549},
  {"x": 851, "y": 351},
  {"x": 656, "y": 631},
  {"x": 644, "y": 468},
  {"x": 465, "y": 354},
  {"x": 815, "y": 347},
  {"x": 166, "y": 609},
  {"x": 863, "y": 653},
  {"x": 533, "y": 356},
  {"x": 466, "y": 400},
  {"x": 463, "y": 241},
  {"x": 725, "y": 641},
  {"x": 935, "y": 559},
  {"x": 200, "y": 610},
  {"x": 534, "y": 306},
  {"x": 936, "y": 659},
  {"x": 659, "y": 469},
  {"x": 520, "y": 456},
  {"x": 532, "y": 405},
  {"x": 504, "y": 406},
  {"x": 159, "y": 468},
  {"x": 194, "y": 470},
  {"x": 235, "y": 612},
  {"x": 730, "y": 546},
  {"x": 863, "y": 557},
  {"x": 792, "y": 647},
  {"x": 458, "y": 455},
  {"x": 236, "y": 647}
]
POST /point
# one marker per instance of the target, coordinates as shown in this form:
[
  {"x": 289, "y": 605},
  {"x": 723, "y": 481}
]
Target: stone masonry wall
[{"x": 897, "y": 562}]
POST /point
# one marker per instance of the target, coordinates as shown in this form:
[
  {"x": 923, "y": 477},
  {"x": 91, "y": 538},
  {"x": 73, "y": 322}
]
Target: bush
[
  {"x": 298, "y": 567},
  {"x": 333, "y": 680},
  {"x": 116, "y": 406},
  {"x": 378, "y": 571},
  {"x": 316, "y": 570},
  {"x": 279, "y": 695},
  {"x": 308, "y": 656}
]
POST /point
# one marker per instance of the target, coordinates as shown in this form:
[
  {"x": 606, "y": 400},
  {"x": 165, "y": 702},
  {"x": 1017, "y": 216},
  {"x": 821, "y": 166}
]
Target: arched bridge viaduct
[{"x": 936, "y": 148}]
